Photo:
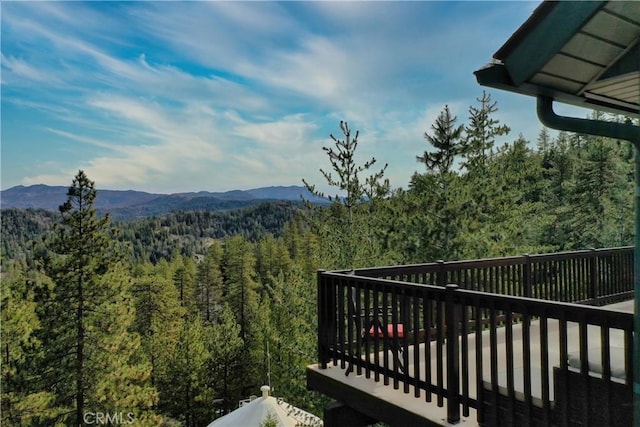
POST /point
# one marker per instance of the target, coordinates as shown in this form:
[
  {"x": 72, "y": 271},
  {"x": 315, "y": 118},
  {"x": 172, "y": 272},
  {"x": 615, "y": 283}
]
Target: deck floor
[{"x": 437, "y": 415}]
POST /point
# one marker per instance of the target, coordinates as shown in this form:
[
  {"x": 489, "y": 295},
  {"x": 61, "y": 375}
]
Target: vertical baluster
[
  {"x": 605, "y": 342},
  {"x": 453, "y": 354},
  {"x": 354, "y": 333},
  {"x": 376, "y": 337},
  {"x": 395, "y": 343},
  {"x": 511, "y": 395},
  {"x": 561, "y": 393},
  {"x": 363, "y": 331},
  {"x": 493, "y": 355},
  {"x": 416, "y": 301},
  {"x": 584, "y": 371},
  {"x": 544, "y": 364},
  {"x": 439, "y": 349},
  {"x": 526, "y": 350},
  {"x": 341, "y": 322},
  {"x": 385, "y": 342},
  {"x": 464, "y": 353},
  {"x": 479, "y": 364},
  {"x": 405, "y": 315},
  {"x": 427, "y": 319}
]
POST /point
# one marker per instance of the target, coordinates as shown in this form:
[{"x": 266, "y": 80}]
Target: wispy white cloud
[{"x": 218, "y": 95}]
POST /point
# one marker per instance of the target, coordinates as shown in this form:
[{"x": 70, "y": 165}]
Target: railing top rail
[
  {"x": 532, "y": 306},
  {"x": 483, "y": 262},
  {"x": 571, "y": 312},
  {"x": 397, "y": 284}
]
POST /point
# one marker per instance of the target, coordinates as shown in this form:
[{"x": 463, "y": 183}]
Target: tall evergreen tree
[
  {"x": 225, "y": 347},
  {"x": 594, "y": 193},
  {"x": 513, "y": 220},
  {"x": 184, "y": 278},
  {"x": 481, "y": 132},
  {"x": 447, "y": 141},
  {"x": 210, "y": 282},
  {"x": 187, "y": 378},
  {"x": 241, "y": 289},
  {"x": 559, "y": 161},
  {"x": 93, "y": 359},
  {"x": 158, "y": 321},
  {"x": 23, "y": 402},
  {"x": 437, "y": 195},
  {"x": 349, "y": 219}
]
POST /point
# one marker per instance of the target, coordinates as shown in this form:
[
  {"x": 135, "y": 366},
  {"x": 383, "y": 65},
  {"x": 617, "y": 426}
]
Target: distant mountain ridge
[{"x": 127, "y": 204}]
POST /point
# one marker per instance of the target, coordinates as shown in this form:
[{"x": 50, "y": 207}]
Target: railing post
[
  {"x": 453, "y": 357},
  {"x": 326, "y": 307},
  {"x": 592, "y": 292},
  {"x": 441, "y": 280},
  {"x": 526, "y": 272}
]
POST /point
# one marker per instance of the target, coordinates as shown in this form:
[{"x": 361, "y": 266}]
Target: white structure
[{"x": 254, "y": 411}]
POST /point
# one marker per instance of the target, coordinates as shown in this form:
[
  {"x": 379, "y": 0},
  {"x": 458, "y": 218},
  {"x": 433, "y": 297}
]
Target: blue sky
[{"x": 187, "y": 96}]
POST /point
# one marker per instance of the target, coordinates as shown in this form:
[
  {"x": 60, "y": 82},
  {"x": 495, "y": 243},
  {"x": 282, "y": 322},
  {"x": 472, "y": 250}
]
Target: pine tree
[
  {"x": 23, "y": 402},
  {"x": 447, "y": 141},
  {"x": 241, "y": 289},
  {"x": 481, "y": 133},
  {"x": 184, "y": 277},
  {"x": 272, "y": 261},
  {"x": 292, "y": 337},
  {"x": 188, "y": 375},
  {"x": 158, "y": 321},
  {"x": 225, "y": 347},
  {"x": 515, "y": 217},
  {"x": 593, "y": 193},
  {"x": 349, "y": 219},
  {"x": 438, "y": 196},
  {"x": 210, "y": 282},
  {"x": 93, "y": 360},
  {"x": 559, "y": 162}
]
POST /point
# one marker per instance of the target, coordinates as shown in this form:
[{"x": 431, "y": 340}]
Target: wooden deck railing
[
  {"x": 486, "y": 334},
  {"x": 596, "y": 276}
]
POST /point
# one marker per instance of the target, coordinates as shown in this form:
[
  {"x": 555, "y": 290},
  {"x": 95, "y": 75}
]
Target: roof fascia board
[
  {"x": 533, "y": 49},
  {"x": 496, "y": 76}
]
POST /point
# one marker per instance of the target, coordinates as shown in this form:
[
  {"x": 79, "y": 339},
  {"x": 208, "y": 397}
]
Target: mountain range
[{"x": 135, "y": 204}]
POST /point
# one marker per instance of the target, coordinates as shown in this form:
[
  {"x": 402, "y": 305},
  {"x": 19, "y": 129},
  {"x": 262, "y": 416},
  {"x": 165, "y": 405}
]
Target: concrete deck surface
[{"x": 431, "y": 411}]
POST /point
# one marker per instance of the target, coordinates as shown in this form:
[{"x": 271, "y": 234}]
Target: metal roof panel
[
  {"x": 576, "y": 69},
  {"x": 630, "y": 10},
  {"x": 582, "y": 53},
  {"x": 612, "y": 28},
  {"x": 592, "y": 49}
]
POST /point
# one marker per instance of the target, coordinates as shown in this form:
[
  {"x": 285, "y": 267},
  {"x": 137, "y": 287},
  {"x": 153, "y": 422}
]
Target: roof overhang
[{"x": 584, "y": 53}]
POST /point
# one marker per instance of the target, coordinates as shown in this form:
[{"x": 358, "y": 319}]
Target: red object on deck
[{"x": 390, "y": 330}]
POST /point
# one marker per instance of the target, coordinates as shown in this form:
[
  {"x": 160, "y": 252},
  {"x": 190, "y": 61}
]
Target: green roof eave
[{"x": 530, "y": 49}]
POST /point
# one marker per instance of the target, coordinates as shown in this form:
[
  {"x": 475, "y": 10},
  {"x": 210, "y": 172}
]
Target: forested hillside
[
  {"x": 170, "y": 318},
  {"x": 151, "y": 239}
]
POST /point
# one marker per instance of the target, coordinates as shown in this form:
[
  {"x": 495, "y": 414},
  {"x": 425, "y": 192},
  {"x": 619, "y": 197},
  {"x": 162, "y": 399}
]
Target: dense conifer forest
[{"x": 173, "y": 319}]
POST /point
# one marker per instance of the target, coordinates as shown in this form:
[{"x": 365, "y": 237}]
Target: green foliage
[
  {"x": 350, "y": 218},
  {"x": 269, "y": 421},
  {"x": 22, "y": 352},
  {"x": 91, "y": 359},
  {"x": 214, "y": 305},
  {"x": 437, "y": 196},
  {"x": 187, "y": 379},
  {"x": 22, "y": 231},
  {"x": 481, "y": 133},
  {"x": 225, "y": 347},
  {"x": 209, "y": 287}
]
